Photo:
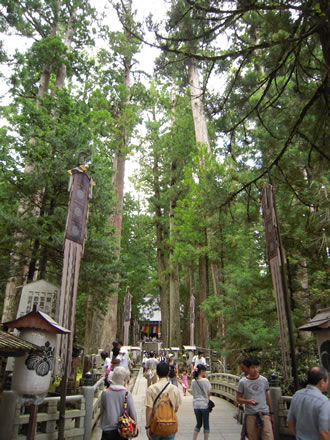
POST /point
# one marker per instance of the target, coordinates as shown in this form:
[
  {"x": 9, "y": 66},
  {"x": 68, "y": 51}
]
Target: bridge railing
[
  {"x": 281, "y": 405},
  {"x": 81, "y": 415},
  {"x": 225, "y": 386},
  {"x": 92, "y": 396},
  {"x": 15, "y": 425}
]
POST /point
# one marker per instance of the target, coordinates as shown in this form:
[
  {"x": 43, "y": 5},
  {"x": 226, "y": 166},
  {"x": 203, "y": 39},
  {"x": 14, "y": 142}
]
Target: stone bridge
[
  {"x": 82, "y": 413},
  {"x": 223, "y": 424}
]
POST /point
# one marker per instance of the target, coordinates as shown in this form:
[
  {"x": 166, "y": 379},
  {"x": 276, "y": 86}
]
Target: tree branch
[
  {"x": 251, "y": 7},
  {"x": 314, "y": 146},
  {"x": 293, "y": 132},
  {"x": 292, "y": 189}
]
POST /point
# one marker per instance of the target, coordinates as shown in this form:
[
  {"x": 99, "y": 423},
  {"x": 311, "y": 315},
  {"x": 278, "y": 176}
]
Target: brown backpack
[{"x": 164, "y": 420}]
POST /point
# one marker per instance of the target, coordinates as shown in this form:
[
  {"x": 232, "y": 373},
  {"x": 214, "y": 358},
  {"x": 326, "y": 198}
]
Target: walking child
[{"x": 184, "y": 381}]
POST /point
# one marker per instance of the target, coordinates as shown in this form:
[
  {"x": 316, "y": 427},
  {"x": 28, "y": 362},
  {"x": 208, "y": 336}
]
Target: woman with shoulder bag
[
  {"x": 112, "y": 405},
  {"x": 201, "y": 390},
  {"x": 174, "y": 371}
]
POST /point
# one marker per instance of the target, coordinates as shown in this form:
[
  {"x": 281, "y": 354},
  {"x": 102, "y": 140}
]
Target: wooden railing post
[{"x": 8, "y": 412}]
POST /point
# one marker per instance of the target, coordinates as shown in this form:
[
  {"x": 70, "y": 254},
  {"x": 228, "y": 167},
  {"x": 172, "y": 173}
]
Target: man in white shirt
[
  {"x": 197, "y": 360},
  {"x": 123, "y": 356}
]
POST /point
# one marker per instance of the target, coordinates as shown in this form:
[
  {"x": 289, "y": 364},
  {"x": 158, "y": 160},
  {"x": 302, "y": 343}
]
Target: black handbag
[{"x": 211, "y": 403}]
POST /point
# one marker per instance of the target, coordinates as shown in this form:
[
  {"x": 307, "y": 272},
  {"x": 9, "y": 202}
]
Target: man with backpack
[{"x": 162, "y": 402}]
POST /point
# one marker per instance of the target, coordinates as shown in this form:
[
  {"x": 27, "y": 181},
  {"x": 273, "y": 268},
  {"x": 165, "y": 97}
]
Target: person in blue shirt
[{"x": 309, "y": 413}]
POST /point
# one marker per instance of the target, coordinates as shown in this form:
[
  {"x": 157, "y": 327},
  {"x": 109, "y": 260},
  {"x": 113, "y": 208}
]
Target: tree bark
[
  {"x": 202, "y": 140},
  {"x": 174, "y": 293},
  {"x": 174, "y": 296},
  {"x": 193, "y": 328},
  {"x": 186, "y": 316},
  {"x": 110, "y": 328},
  {"x": 196, "y": 93},
  {"x": 161, "y": 257},
  {"x": 203, "y": 286}
]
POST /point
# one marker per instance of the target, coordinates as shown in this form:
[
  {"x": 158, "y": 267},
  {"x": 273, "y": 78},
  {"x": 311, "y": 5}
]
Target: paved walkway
[{"x": 222, "y": 424}]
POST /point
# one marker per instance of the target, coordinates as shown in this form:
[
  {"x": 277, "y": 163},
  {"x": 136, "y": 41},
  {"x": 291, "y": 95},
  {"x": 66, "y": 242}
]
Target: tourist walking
[
  {"x": 107, "y": 360},
  {"x": 112, "y": 404},
  {"x": 244, "y": 371},
  {"x": 144, "y": 360},
  {"x": 309, "y": 414},
  {"x": 123, "y": 356},
  {"x": 174, "y": 371},
  {"x": 184, "y": 381},
  {"x": 201, "y": 390},
  {"x": 198, "y": 359},
  {"x": 150, "y": 369},
  {"x": 162, "y": 357},
  {"x": 162, "y": 401},
  {"x": 253, "y": 392}
]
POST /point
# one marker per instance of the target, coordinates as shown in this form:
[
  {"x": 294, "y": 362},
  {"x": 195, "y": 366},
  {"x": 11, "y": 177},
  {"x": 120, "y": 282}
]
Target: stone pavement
[{"x": 222, "y": 424}]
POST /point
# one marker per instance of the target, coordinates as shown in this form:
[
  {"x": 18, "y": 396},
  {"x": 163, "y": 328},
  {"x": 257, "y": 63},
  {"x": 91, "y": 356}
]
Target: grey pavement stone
[{"x": 222, "y": 424}]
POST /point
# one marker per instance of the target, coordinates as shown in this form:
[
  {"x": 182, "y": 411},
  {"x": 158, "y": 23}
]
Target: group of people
[
  {"x": 150, "y": 362},
  {"x": 308, "y": 418},
  {"x": 118, "y": 357},
  {"x": 162, "y": 386},
  {"x": 309, "y": 413}
]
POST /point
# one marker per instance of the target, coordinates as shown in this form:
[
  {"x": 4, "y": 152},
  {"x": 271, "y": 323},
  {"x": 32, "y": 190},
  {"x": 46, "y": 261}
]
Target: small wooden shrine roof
[
  {"x": 37, "y": 320},
  {"x": 321, "y": 321},
  {"x": 11, "y": 345}
]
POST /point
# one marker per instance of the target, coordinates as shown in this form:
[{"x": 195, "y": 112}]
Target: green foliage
[{"x": 138, "y": 271}]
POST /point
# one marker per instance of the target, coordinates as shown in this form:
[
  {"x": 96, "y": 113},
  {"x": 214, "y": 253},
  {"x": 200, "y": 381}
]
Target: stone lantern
[
  {"x": 32, "y": 372},
  {"x": 320, "y": 326}
]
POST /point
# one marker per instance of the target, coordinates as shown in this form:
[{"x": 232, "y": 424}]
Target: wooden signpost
[
  {"x": 80, "y": 188},
  {"x": 192, "y": 320},
  {"x": 277, "y": 264},
  {"x": 127, "y": 315}
]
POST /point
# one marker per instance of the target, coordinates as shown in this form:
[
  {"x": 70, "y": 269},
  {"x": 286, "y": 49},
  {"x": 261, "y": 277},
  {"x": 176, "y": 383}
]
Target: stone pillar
[
  {"x": 51, "y": 409},
  {"x": 88, "y": 392},
  {"x": 275, "y": 396}
]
